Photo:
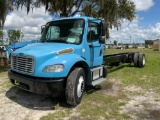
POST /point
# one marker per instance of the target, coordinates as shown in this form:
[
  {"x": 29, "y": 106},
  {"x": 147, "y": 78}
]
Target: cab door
[{"x": 96, "y": 49}]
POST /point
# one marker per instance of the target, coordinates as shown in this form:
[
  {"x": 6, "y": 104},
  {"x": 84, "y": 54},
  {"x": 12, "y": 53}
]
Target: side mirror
[
  {"x": 102, "y": 39},
  {"x": 42, "y": 28},
  {"x": 103, "y": 28}
]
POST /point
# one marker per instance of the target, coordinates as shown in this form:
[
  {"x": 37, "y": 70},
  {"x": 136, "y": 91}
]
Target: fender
[{"x": 68, "y": 62}]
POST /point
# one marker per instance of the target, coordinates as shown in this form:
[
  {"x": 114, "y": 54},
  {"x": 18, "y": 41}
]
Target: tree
[
  {"x": 1, "y": 35},
  {"x": 14, "y": 35},
  {"x": 5, "y": 7},
  {"x": 115, "y": 42},
  {"x": 149, "y": 42},
  {"x": 112, "y": 11}
]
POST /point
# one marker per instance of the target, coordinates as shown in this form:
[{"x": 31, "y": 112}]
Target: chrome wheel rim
[
  {"x": 144, "y": 61},
  {"x": 80, "y": 87}
]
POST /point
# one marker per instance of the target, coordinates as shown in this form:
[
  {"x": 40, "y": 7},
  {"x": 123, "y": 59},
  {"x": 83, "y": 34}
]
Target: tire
[
  {"x": 104, "y": 72},
  {"x": 141, "y": 60},
  {"x": 75, "y": 86},
  {"x": 135, "y": 59}
]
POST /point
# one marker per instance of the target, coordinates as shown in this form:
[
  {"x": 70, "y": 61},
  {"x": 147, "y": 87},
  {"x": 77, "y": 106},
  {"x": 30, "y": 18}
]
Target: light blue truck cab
[{"x": 68, "y": 58}]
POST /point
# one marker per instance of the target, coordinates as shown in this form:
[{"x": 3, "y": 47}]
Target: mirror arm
[{"x": 42, "y": 28}]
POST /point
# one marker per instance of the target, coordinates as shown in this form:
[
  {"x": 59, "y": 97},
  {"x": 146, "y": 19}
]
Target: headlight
[{"x": 53, "y": 68}]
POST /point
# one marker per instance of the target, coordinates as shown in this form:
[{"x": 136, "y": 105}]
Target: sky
[{"x": 145, "y": 26}]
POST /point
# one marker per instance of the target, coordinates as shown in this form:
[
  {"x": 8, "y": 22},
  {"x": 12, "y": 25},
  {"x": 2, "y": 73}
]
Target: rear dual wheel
[{"x": 139, "y": 60}]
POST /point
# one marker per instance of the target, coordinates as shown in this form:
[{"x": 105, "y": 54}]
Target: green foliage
[
  {"x": 1, "y": 35},
  {"x": 112, "y": 11},
  {"x": 6, "y": 6},
  {"x": 115, "y": 42},
  {"x": 149, "y": 42},
  {"x": 14, "y": 35}
]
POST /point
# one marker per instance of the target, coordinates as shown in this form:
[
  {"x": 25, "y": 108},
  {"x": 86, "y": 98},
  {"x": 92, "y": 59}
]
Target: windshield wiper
[{"x": 59, "y": 40}]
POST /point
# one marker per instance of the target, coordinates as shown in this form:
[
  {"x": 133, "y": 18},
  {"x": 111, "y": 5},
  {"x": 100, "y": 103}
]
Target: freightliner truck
[{"x": 69, "y": 57}]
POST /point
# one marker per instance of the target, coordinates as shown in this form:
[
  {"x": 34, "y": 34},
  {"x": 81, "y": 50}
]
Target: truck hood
[{"x": 44, "y": 49}]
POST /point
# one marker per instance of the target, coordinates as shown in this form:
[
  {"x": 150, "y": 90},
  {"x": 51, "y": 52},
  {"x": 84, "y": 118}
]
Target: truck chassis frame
[{"x": 115, "y": 59}]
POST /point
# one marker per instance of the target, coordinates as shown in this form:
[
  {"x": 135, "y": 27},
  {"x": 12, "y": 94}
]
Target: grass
[
  {"x": 4, "y": 82},
  {"x": 102, "y": 104},
  {"x": 146, "y": 77},
  {"x": 106, "y": 102}
]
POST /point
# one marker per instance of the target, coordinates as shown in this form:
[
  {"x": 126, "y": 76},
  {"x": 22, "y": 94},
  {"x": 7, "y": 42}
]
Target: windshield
[{"x": 66, "y": 31}]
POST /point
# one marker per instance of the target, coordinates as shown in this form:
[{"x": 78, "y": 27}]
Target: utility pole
[
  {"x": 121, "y": 41},
  {"x": 130, "y": 39}
]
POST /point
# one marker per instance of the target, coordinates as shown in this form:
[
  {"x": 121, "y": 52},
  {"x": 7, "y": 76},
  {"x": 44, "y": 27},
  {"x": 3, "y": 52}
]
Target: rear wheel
[
  {"x": 135, "y": 60},
  {"x": 75, "y": 86},
  {"x": 141, "y": 60}
]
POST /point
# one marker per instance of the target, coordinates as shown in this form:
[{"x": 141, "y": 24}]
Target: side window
[{"x": 93, "y": 32}]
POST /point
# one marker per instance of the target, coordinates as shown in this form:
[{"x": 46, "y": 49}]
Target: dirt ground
[
  {"x": 17, "y": 104},
  {"x": 143, "y": 105}
]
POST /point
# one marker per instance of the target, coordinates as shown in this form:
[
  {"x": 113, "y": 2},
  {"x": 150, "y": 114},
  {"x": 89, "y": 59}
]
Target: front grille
[{"x": 22, "y": 64}]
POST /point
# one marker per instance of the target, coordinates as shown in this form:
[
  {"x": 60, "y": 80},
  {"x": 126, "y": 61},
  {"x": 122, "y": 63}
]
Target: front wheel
[{"x": 75, "y": 86}]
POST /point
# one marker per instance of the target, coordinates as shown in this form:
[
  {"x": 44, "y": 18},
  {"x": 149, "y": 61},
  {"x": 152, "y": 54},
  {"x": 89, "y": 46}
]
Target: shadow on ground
[
  {"x": 121, "y": 66},
  {"x": 40, "y": 102},
  {"x": 92, "y": 89},
  {"x": 48, "y": 102},
  {"x": 35, "y": 101}
]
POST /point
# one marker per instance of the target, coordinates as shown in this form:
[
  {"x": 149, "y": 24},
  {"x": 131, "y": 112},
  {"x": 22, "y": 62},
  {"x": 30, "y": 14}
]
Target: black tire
[
  {"x": 104, "y": 72},
  {"x": 135, "y": 59},
  {"x": 141, "y": 60},
  {"x": 75, "y": 86}
]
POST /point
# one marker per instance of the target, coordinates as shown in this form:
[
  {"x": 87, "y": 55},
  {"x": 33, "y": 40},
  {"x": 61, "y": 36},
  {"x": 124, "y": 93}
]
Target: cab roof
[{"x": 81, "y": 17}]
